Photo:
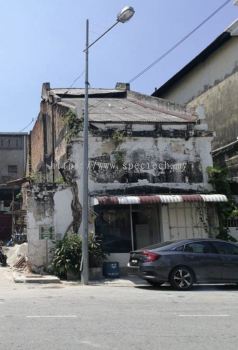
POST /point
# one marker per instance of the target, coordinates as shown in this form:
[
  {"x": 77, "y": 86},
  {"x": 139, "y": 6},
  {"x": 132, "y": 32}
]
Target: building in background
[
  {"x": 211, "y": 80},
  {"x": 13, "y": 156}
]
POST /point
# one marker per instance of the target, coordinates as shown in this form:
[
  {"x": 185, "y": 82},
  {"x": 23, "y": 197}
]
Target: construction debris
[{"x": 17, "y": 255}]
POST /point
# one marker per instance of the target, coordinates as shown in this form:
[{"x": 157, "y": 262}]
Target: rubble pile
[{"x": 17, "y": 256}]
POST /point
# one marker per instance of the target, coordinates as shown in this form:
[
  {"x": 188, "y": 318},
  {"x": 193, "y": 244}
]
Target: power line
[
  {"x": 27, "y": 125},
  {"x": 76, "y": 79},
  {"x": 180, "y": 41},
  {"x": 66, "y": 92}
]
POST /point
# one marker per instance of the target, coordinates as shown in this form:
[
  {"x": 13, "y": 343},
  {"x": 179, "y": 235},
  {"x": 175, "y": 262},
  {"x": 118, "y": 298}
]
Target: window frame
[
  {"x": 208, "y": 243},
  {"x": 214, "y": 243}
]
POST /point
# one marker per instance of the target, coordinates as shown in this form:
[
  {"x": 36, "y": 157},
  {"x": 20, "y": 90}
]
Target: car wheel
[
  {"x": 154, "y": 283},
  {"x": 181, "y": 278}
]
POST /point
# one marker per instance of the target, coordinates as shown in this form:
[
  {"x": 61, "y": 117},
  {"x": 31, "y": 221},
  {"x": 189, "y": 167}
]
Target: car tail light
[{"x": 150, "y": 256}]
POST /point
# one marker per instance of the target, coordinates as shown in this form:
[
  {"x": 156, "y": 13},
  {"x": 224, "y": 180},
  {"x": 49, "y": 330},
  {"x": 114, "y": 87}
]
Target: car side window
[
  {"x": 199, "y": 248},
  {"x": 226, "y": 248},
  {"x": 179, "y": 249}
]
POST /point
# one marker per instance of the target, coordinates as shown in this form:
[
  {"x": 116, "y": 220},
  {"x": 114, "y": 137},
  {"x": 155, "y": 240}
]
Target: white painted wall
[
  {"x": 37, "y": 249},
  {"x": 62, "y": 211},
  {"x": 59, "y": 216}
]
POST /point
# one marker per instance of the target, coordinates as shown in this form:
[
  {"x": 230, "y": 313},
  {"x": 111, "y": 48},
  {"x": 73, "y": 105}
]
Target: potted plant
[
  {"x": 96, "y": 257},
  {"x": 67, "y": 257},
  {"x": 68, "y": 254}
]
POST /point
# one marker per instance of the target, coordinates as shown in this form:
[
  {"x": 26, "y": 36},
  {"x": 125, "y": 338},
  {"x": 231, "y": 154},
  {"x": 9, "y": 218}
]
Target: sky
[{"x": 43, "y": 41}]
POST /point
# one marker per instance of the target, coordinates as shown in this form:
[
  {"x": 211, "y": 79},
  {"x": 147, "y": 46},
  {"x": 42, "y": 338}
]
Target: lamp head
[{"x": 125, "y": 15}]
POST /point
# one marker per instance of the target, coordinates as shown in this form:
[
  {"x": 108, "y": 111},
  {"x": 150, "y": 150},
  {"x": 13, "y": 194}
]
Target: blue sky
[{"x": 43, "y": 41}]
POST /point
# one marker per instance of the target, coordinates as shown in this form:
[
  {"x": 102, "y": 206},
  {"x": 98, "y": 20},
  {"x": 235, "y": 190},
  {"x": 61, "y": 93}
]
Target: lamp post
[{"x": 124, "y": 16}]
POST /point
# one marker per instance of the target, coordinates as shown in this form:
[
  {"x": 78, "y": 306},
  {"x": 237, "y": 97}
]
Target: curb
[
  {"x": 121, "y": 282},
  {"x": 20, "y": 278}
]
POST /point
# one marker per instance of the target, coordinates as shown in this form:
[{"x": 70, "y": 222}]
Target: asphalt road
[{"x": 70, "y": 317}]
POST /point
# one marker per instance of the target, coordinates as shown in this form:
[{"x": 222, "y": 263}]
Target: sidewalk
[{"x": 127, "y": 281}]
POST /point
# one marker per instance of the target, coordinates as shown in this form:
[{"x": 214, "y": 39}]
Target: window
[
  {"x": 12, "y": 169},
  {"x": 226, "y": 248},
  {"x": 12, "y": 142},
  {"x": 179, "y": 249},
  {"x": 199, "y": 248}
]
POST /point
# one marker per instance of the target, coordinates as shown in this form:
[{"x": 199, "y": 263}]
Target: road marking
[
  {"x": 51, "y": 316},
  {"x": 203, "y": 315},
  {"x": 87, "y": 342}
]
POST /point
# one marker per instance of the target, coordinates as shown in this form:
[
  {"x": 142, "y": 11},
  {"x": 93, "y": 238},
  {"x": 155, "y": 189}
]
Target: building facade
[
  {"x": 147, "y": 171},
  {"x": 13, "y": 155}
]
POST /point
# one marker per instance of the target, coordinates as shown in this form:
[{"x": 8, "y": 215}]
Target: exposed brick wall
[
  {"x": 37, "y": 142},
  {"x": 42, "y": 140}
]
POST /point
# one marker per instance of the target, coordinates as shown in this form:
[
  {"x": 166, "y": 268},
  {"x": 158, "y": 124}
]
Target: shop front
[{"x": 126, "y": 223}]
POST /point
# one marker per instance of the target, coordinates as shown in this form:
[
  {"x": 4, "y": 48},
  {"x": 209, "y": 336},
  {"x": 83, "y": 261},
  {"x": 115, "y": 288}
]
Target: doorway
[{"x": 145, "y": 225}]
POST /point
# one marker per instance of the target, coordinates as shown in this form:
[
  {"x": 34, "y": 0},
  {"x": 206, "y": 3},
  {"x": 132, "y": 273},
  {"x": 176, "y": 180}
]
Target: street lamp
[{"x": 125, "y": 15}]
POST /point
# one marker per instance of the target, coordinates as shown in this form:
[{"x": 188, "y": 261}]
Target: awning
[{"x": 158, "y": 198}]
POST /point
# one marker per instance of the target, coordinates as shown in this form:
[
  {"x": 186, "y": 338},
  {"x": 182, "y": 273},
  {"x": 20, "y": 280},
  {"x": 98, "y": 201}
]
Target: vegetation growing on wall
[
  {"x": 35, "y": 178},
  {"x": 118, "y": 137},
  {"x": 218, "y": 177},
  {"x": 73, "y": 123},
  {"x": 119, "y": 159}
]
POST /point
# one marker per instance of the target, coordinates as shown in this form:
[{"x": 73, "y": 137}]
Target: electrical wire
[
  {"x": 27, "y": 125},
  {"x": 179, "y": 42},
  {"x": 66, "y": 92}
]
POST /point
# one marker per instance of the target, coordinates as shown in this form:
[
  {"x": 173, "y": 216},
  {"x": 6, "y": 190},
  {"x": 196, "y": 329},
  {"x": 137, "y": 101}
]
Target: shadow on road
[{"x": 196, "y": 288}]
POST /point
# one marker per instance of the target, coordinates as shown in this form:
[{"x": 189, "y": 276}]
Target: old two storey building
[
  {"x": 13, "y": 155},
  {"x": 147, "y": 171}
]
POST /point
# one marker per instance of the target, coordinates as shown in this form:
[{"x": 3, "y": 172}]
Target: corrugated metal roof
[
  {"x": 81, "y": 92},
  {"x": 116, "y": 110},
  {"x": 153, "y": 199}
]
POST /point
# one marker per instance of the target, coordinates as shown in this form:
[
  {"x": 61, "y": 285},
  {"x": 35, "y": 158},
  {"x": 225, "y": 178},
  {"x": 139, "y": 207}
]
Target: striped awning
[{"x": 158, "y": 198}]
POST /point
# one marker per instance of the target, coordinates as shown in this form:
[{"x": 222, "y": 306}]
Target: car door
[
  {"x": 229, "y": 255},
  {"x": 204, "y": 260}
]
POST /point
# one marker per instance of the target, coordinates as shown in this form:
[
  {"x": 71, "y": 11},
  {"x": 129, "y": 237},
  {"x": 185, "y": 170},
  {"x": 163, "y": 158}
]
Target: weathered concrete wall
[
  {"x": 38, "y": 213},
  {"x": 214, "y": 84},
  {"x": 54, "y": 211},
  {"x": 217, "y": 67},
  {"x": 145, "y": 161},
  {"x": 221, "y": 106}
]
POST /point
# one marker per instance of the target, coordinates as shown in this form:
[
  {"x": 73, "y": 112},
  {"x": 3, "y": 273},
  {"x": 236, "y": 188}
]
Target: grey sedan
[{"x": 185, "y": 262}]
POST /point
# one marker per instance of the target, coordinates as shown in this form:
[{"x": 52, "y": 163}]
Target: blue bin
[{"x": 111, "y": 269}]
